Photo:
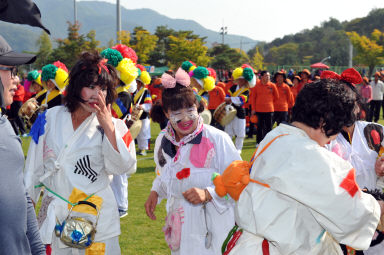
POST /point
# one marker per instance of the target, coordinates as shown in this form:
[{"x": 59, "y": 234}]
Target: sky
[{"x": 262, "y": 20}]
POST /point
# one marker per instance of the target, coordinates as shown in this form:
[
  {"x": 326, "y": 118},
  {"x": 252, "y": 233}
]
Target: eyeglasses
[{"x": 12, "y": 69}]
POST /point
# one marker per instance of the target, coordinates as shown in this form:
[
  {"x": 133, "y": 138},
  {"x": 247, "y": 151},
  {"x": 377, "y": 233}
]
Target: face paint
[
  {"x": 184, "y": 121},
  {"x": 90, "y": 96}
]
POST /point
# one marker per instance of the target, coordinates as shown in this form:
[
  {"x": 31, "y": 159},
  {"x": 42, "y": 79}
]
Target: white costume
[
  {"x": 205, "y": 151},
  {"x": 312, "y": 205},
  {"x": 119, "y": 185},
  {"x": 143, "y": 98},
  {"x": 76, "y": 164},
  {"x": 361, "y": 154},
  {"x": 239, "y": 96}
]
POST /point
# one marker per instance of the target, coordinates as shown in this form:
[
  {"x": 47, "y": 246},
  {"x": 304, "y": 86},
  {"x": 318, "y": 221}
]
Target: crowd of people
[{"x": 306, "y": 175}]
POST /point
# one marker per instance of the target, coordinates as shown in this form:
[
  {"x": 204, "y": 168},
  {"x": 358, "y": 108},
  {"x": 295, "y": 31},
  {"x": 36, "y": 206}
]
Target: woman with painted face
[
  {"x": 74, "y": 149},
  {"x": 187, "y": 153}
]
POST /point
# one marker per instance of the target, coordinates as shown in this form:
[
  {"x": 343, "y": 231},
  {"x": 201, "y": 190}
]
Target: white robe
[
  {"x": 306, "y": 210},
  {"x": 220, "y": 215},
  {"x": 358, "y": 154},
  {"x": 55, "y": 147},
  {"x": 363, "y": 160}
]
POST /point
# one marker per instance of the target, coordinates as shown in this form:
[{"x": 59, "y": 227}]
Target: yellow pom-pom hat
[
  {"x": 35, "y": 76},
  {"x": 245, "y": 72},
  {"x": 125, "y": 67},
  {"x": 188, "y": 66},
  {"x": 203, "y": 76},
  {"x": 56, "y": 74},
  {"x": 144, "y": 76}
]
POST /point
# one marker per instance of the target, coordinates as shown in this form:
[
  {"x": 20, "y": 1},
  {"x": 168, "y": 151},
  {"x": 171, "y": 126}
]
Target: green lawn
[{"x": 139, "y": 234}]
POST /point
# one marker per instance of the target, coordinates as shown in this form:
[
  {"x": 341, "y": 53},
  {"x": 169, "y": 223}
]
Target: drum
[
  {"x": 134, "y": 123},
  {"x": 29, "y": 111},
  {"x": 136, "y": 113},
  {"x": 135, "y": 128},
  {"x": 224, "y": 114},
  {"x": 206, "y": 116}
]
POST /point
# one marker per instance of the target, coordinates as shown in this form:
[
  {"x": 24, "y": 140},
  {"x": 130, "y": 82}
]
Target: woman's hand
[
  {"x": 379, "y": 166},
  {"x": 104, "y": 116},
  {"x": 197, "y": 196},
  {"x": 103, "y": 113},
  {"x": 150, "y": 205}
]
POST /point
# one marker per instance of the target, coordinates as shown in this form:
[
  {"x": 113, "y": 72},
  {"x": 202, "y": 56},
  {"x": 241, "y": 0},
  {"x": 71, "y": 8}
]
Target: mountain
[{"x": 101, "y": 17}]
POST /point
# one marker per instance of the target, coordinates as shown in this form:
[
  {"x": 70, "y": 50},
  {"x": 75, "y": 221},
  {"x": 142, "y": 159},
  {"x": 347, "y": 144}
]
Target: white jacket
[
  {"x": 63, "y": 159},
  {"x": 312, "y": 205}
]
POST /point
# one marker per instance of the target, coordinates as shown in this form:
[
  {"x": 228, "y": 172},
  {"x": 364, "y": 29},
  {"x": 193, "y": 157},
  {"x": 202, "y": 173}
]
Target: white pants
[
  {"x": 119, "y": 187},
  {"x": 144, "y": 135},
  {"x": 237, "y": 128},
  {"x": 112, "y": 247}
]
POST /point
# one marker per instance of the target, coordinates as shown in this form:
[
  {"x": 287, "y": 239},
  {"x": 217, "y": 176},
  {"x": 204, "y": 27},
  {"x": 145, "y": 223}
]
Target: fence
[{"x": 338, "y": 69}]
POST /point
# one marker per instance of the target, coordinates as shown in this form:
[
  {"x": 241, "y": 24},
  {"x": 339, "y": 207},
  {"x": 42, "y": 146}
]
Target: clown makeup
[
  {"x": 90, "y": 95},
  {"x": 184, "y": 121}
]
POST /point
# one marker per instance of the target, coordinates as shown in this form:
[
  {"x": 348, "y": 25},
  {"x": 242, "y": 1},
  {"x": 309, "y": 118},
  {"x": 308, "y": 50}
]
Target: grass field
[{"x": 139, "y": 234}]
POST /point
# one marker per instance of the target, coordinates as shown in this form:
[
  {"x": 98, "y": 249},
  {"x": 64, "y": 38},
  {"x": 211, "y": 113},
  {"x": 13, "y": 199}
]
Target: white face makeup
[
  {"x": 184, "y": 121},
  {"x": 90, "y": 96}
]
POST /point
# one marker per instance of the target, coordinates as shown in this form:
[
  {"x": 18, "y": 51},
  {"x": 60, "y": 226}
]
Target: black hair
[
  {"x": 326, "y": 104},
  {"x": 174, "y": 99},
  {"x": 263, "y": 72},
  {"x": 87, "y": 71},
  {"x": 359, "y": 101}
]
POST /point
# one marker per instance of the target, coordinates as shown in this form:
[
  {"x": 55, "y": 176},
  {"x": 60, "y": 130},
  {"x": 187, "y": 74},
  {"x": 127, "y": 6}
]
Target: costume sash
[
  {"x": 51, "y": 95},
  {"x": 239, "y": 92},
  {"x": 40, "y": 93},
  {"x": 138, "y": 95}
]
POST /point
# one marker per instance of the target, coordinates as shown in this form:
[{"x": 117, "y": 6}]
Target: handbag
[
  {"x": 172, "y": 229},
  {"x": 76, "y": 231}
]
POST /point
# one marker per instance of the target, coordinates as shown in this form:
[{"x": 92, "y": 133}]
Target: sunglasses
[{"x": 12, "y": 69}]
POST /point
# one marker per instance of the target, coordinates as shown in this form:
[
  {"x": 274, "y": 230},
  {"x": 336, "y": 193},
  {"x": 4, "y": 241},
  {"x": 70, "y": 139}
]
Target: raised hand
[{"x": 104, "y": 116}]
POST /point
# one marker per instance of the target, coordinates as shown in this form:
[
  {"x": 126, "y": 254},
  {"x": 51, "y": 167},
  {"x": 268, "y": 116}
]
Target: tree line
[
  {"x": 168, "y": 47},
  {"x": 165, "y": 47},
  {"x": 331, "y": 38}
]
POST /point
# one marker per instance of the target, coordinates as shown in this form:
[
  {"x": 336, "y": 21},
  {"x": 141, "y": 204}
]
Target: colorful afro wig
[
  {"x": 245, "y": 72},
  {"x": 56, "y": 74},
  {"x": 212, "y": 73},
  {"x": 188, "y": 66},
  {"x": 126, "y": 52},
  {"x": 60, "y": 65},
  {"x": 203, "y": 77},
  {"x": 144, "y": 76},
  {"x": 126, "y": 69},
  {"x": 34, "y": 76}
]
